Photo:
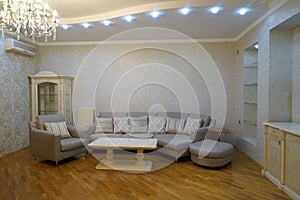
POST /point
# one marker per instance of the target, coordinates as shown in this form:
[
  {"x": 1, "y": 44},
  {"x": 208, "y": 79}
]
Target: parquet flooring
[{"x": 22, "y": 178}]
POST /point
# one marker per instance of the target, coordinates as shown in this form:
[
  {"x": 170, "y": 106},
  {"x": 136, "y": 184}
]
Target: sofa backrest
[{"x": 206, "y": 118}]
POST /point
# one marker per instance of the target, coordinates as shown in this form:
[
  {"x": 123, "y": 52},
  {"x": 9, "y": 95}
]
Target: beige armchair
[{"x": 47, "y": 145}]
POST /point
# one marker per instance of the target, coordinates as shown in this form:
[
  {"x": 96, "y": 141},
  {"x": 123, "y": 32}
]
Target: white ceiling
[{"x": 199, "y": 24}]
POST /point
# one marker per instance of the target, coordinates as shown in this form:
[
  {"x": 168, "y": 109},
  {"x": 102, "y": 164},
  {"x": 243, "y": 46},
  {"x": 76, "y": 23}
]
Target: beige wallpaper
[
  {"x": 14, "y": 99},
  {"x": 143, "y": 77}
]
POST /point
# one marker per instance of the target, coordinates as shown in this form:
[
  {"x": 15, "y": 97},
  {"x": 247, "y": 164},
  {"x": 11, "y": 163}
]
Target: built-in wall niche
[
  {"x": 285, "y": 71},
  {"x": 250, "y": 93}
]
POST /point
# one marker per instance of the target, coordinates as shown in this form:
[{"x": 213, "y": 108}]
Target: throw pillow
[
  {"x": 156, "y": 124},
  {"x": 191, "y": 125},
  {"x": 206, "y": 121},
  {"x": 121, "y": 125},
  {"x": 58, "y": 127},
  {"x": 104, "y": 125},
  {"x": 174, "y": 125},
  {"x": 138, "y": 124}
]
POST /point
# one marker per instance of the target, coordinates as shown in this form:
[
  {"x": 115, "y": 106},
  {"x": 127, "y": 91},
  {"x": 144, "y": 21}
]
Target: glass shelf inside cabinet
[{"x": 47, "y": 98}]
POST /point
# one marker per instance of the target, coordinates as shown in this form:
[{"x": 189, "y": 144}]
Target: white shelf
[
  {"x": 250, "y": 122},
  {"x": 251, "y": 84},
  {"x": 251, "y": 103}
]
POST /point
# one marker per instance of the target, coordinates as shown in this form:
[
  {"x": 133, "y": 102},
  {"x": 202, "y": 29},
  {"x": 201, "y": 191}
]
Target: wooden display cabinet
[{"x": 51, "y": 94}]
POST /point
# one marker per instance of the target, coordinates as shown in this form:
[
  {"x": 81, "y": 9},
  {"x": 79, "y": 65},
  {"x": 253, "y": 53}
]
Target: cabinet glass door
[{"x": 47, "y": 98}]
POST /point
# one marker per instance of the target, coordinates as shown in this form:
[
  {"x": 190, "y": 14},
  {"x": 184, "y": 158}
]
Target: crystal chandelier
[{"x": 29, "y": 18}]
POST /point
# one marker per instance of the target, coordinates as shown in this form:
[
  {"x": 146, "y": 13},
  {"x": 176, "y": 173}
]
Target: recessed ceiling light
[
  {"x": 184, "y": 11},
  {"x": 86, "y": 25},
  {"x": 128, "y": 18},
  {"x": 155, "y": 13},
  {"x": 215, "y": 10},
  {"x": 106, "y": 22},
  {"x": 243, "y": 11},
  {"x": 65, "y": 26}
]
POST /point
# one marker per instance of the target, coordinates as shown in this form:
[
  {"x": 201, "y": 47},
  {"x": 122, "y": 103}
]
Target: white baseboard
[
  {"x": 291, "y": 194},
  {"x": 273, "y": 180},
  {"x": 282, "y": 187}
]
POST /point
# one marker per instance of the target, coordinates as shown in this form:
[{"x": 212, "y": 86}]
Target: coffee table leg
[
  {"x": 109, "y": 156},
  {"x": 140, "y": 157}
]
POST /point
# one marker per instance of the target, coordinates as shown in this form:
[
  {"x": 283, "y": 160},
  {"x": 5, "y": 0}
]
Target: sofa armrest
[
  {"x": 200, "y": 134},
  {"x": 81, "y": 132},
  {"x": 44, "y": 144}
]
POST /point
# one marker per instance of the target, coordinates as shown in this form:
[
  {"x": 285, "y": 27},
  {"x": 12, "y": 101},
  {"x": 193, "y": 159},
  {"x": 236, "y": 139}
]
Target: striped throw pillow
[
  {"x": 58, "y": 127},
  {"x": 104, "y": 125},
  {"x": 174, "y": 125}
]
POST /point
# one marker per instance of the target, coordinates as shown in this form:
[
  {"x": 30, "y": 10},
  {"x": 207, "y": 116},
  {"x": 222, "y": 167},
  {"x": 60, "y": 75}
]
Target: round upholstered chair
[{"x": 211, "y": 153}]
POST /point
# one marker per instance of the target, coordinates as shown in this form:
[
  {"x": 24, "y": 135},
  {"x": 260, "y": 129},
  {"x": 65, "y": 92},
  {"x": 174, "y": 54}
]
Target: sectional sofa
[{"x": 174, "y": 131}]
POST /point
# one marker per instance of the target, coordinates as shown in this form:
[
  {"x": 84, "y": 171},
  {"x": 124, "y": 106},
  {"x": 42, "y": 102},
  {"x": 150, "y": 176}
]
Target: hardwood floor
[{"x": 22, "y": 178}]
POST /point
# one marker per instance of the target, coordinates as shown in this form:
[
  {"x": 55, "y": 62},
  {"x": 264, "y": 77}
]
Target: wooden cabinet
[
  {"x": 292, "y": 163},
  {"x": 274, "y": 153},
  {"x": 51, "y": 94},
  {"x": 281, "y": 161}
]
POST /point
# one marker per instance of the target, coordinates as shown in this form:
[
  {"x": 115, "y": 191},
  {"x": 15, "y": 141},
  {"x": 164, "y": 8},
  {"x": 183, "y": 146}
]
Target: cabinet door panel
[
  {"x": 274, "y": 159},
  {"x": 292, "y": 163}
]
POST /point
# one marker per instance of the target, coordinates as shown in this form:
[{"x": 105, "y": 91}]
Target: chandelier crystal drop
[{"x": 29, "y": 18}]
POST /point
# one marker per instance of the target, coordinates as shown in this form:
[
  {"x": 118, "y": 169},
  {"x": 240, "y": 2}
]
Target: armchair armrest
[{"x": 44, "y": 144}]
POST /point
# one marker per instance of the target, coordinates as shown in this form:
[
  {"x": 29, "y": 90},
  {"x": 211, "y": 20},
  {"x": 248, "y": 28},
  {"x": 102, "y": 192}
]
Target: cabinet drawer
[{"x": 275, "y": 132}]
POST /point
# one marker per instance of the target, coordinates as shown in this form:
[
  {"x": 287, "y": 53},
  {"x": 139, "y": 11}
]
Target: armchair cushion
[
  {"x": 58, "y": 127},
  {"x": 70, "y": 144}
]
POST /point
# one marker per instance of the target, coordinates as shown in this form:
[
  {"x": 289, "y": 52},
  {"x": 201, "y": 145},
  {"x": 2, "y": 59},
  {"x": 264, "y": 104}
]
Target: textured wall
[
  {"x": 296, "y": 75},
  {"x": 149, "y": 76},
  {"x": 14, "y": 99}
]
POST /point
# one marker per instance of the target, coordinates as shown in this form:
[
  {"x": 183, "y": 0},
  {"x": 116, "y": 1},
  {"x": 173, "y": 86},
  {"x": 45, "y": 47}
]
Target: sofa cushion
[
  {"x": 174, "y": 125},
  {"x": 58, "y": 127},
  {"x": 121, "y": 125},
  {"x": 191, "y": 125},
  {"x": 206, "y": 121},
  {"x": 139, "y": 124},
  {"x": 175, "y": 142},
  {"x": 156, "y": 124},
  {"x": 104, "y": 125},
  {"x": 211, "y": 149},
  {"x": 70, "y": 144},
  {"x": 109, "y": 135}
]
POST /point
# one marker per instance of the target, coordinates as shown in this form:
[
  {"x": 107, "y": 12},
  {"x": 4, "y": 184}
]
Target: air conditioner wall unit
[{"x": 19, "y": 47}]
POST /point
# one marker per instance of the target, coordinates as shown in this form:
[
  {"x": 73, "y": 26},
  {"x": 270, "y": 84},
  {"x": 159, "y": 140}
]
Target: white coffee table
[{"x": 139, "y": 145}]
